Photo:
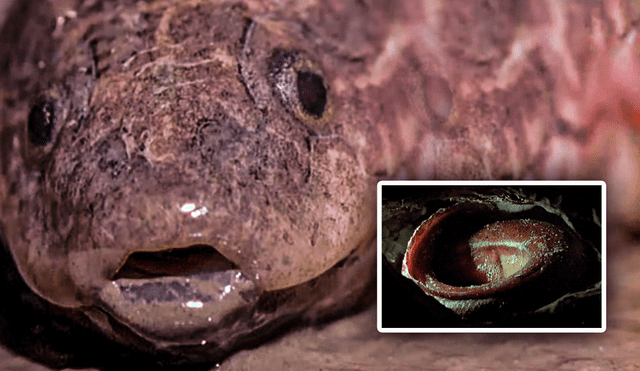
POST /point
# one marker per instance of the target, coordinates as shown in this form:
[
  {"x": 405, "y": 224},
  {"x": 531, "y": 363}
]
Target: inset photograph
[{"x": 488, "y": 256}]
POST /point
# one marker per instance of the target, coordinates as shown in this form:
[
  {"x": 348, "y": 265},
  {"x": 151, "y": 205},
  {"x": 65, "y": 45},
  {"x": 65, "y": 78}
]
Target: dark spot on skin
[
  {"x": 6, "y": 148},
  {"x": 312, "y": 93},
  {"x": 40, "y": 123},
  {"x": 562, "y": 127},
  {"x": 439, "y": 96}
]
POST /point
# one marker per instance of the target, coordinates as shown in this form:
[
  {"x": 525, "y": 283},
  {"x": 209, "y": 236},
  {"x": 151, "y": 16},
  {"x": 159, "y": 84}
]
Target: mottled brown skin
[
  {"x": 176, "y": 124},
  {"x": 146, "y": 124},
  {"x": 170, "y": 131}
]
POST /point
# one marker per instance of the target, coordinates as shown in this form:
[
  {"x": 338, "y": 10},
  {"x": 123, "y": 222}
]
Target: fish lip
[
  {"x": 217, "y": 308},
  {"x": 174, "y": 307}
]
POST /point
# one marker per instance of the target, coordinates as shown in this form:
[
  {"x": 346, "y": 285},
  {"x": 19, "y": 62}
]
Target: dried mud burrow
[{"x": 433, "y": 90}]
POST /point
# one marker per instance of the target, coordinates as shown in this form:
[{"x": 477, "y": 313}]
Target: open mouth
[
  {"x": 173, "y": 262},
  {"x": 169, "y": 293},
  {"x": 483, "y": 259},
  {"x": 468, "y": 251}
]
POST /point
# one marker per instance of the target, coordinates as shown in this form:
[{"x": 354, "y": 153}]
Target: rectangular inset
[{"x": 491, "y": 256}]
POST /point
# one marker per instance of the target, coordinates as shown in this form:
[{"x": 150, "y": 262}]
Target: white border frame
[{"x": 497, "y": 329}]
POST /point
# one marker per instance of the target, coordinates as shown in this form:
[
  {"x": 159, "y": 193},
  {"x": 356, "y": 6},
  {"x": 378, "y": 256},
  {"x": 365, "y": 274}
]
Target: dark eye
[
  {"x": 312, "y": 93},
  {"x": 40, "y": 123},
  {"x": 299, "y": 84}
]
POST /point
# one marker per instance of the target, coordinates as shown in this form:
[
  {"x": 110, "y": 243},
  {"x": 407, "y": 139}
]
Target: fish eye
[
  {"x": 312, "y": 93},
  {"x": 299, "y": 84},
  {"x": 40, "y": 123}
]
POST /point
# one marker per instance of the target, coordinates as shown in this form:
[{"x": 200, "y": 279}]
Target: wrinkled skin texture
[
  {"x": 170, "y": 131},
  {"x": 163, "y": 137},
  {"x": 180, "y": 156}
]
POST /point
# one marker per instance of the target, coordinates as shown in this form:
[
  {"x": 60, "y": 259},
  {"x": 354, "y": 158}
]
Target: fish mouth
[
  {"x": 193, "y": 296},
  {"x": 173, "y": 262},
  {"x": 172, "y": 293}
]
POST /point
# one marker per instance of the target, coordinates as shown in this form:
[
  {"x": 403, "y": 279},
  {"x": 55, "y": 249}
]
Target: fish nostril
[
  {"x": 182, "y": 261},
  {"x": 40, "y": 124}
]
